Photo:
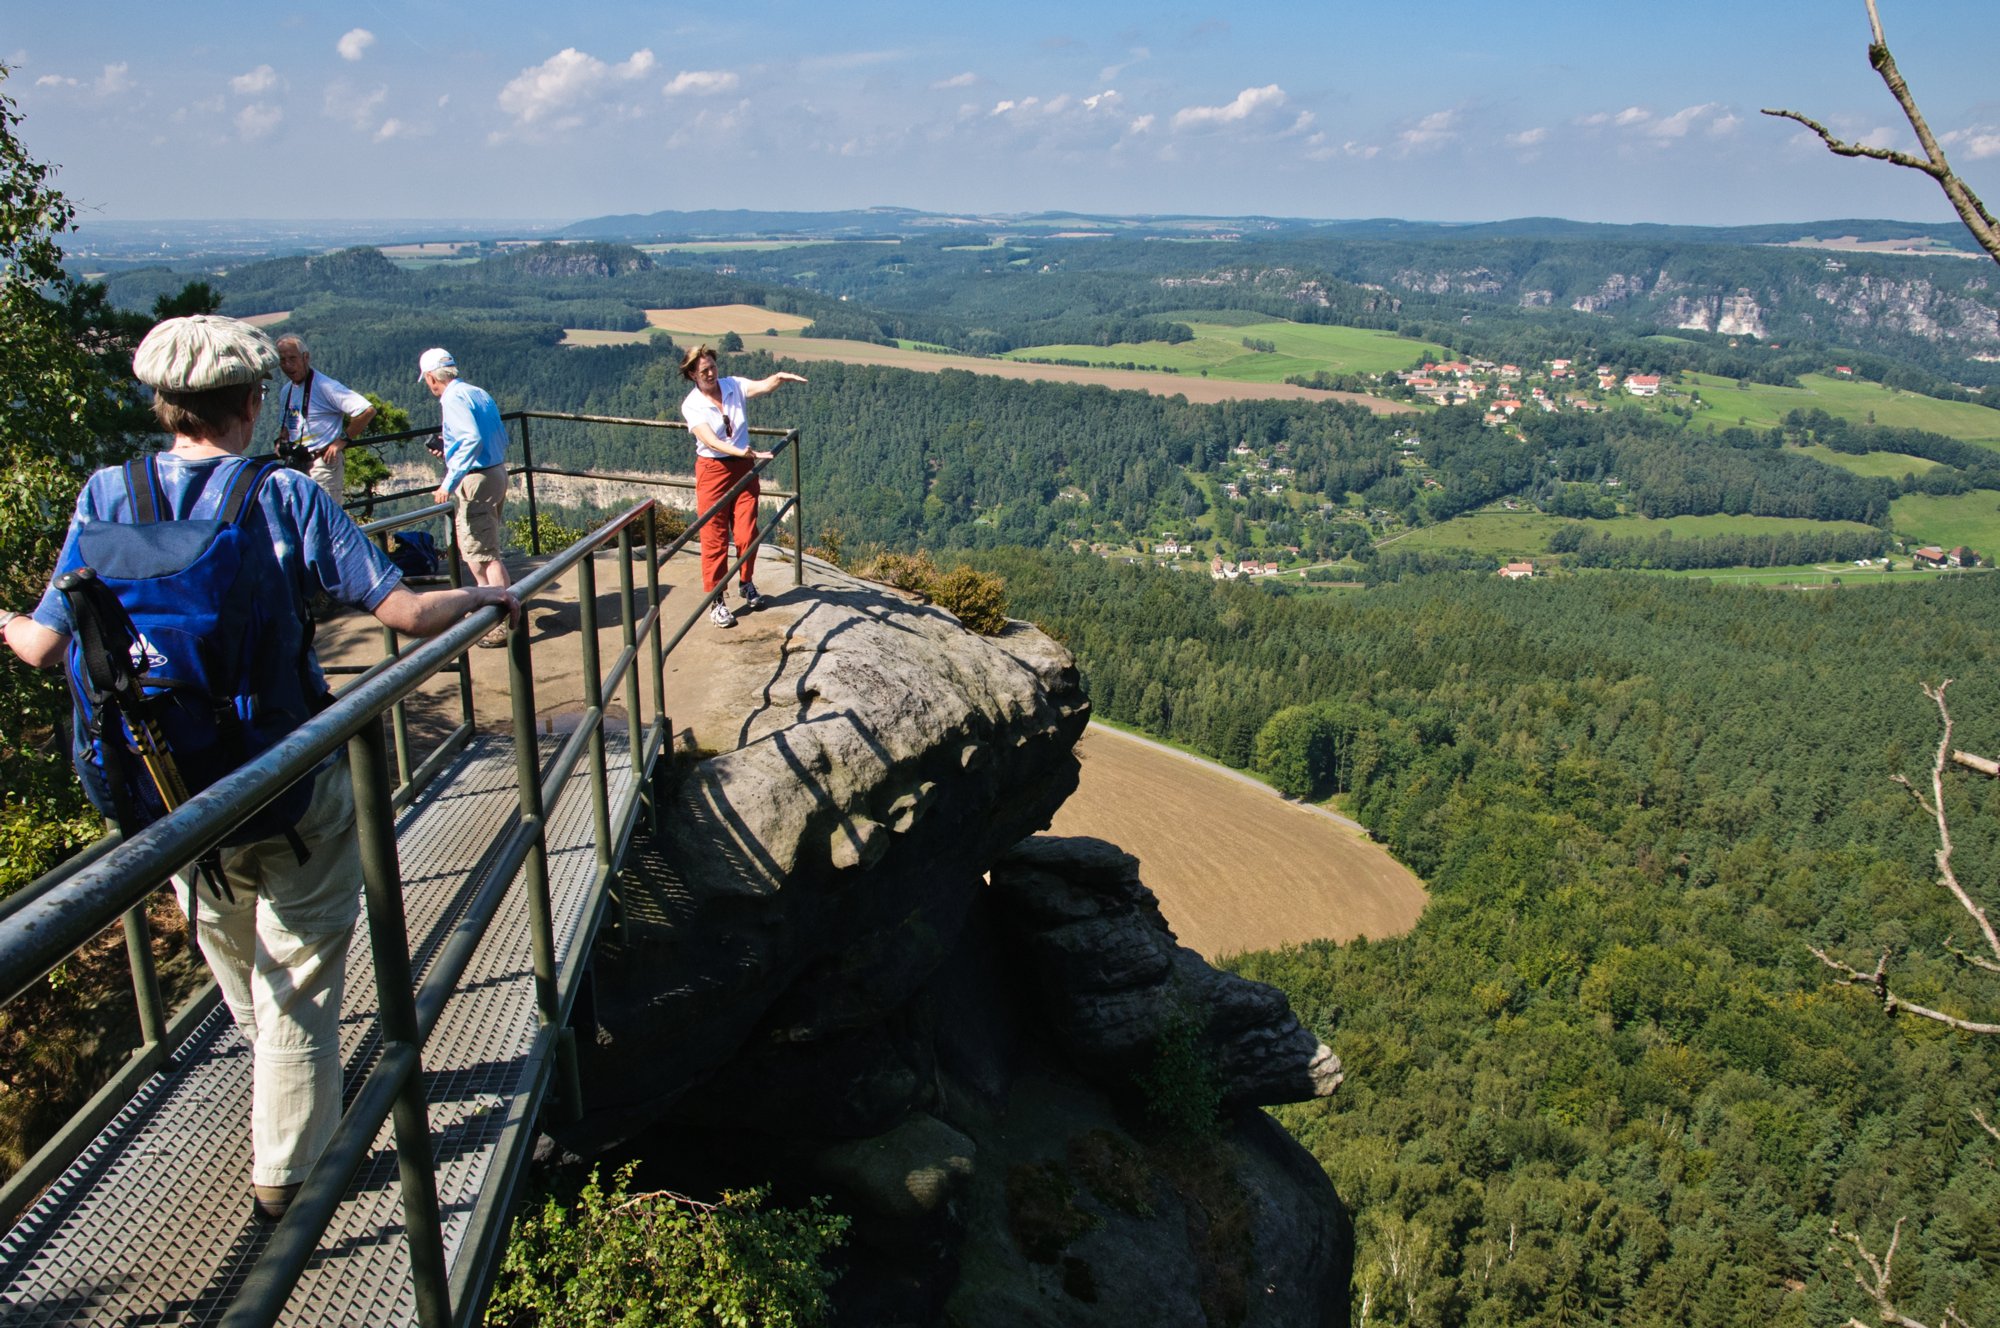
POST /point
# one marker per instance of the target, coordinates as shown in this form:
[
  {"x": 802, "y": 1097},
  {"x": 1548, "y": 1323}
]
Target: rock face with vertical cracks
[{"x": 811, "y": 982}]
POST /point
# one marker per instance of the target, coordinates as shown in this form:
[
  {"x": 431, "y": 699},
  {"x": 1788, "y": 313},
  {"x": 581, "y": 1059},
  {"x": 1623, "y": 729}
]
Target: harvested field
[
  {"x": 1236, "y": 867},
  {"x": 1192, "y": 386},
  {"x": 268, "y": 320},
  {"x": 714, "y": 319}
]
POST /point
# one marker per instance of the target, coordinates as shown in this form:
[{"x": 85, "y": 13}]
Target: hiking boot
[
  {"x": 720, "y": 615},
  {"x": 269, "y": 1203},
  {"x": 751, "y": 599}
]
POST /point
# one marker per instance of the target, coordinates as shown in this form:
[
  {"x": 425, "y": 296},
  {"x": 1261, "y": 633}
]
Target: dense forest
[{"x": 1604, "y": 1081}]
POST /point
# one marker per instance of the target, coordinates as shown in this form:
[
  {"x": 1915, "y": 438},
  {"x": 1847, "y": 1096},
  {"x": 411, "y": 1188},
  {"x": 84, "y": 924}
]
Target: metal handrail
[{"x": 54, "y": 916}]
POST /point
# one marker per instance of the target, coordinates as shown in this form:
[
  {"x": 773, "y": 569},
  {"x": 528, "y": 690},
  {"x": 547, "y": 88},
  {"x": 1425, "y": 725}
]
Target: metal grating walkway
[{"x": 151, "y": 1225}]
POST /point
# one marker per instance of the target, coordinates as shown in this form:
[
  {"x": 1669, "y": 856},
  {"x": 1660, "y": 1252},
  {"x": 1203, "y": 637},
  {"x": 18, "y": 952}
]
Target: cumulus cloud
[
  {"x": 391, "y": 128},
  {"x": 1528, "y": 138},
  {"x": 547, "y": 93},
  {"x": 1433, "y": 131},
  {"x": 261, "y": 79},
  {"x": 1249, "y": 102},
  {"x": 357, "y": 108},
  {"x": 258, "y": 120},
  {"x": 701, "y": 83},
  {"x": 1143, "y": 124},
  {"x": 354, "y": 43},
  {"x": 1632, "y": 115},
  {"x": 113, "y": 80},
  {"x": 1678, "y": 124},
  {"x": 965, "y": 80},
  {"x": 1106, "y": 100},
  {"x": 1979, "y": 141},
  {"x": 1139, "y": 56}
]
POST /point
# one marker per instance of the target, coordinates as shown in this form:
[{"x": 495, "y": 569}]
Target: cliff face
[{"x": 1005, "y": 1082}]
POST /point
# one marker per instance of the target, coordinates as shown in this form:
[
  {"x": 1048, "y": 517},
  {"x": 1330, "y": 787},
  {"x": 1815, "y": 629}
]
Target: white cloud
[
  {"x": 965, "y": 80},
  {"x": 1528, "y": 138},
  {"x": 1678, "y": 124},
  {"x": 392, "y": 128},
  {"x": 113, "y": 80},
  {"x": 1139, "y": 56},
  {"x": 1979, "y": 141},
  {"x": 1106, "y": 100},
  {"x": 1632, "y": 115},
  {"x": 1300, "y": 125},
  {"x": 258, "y": 120},
  {"x": 1025, "y": 103},
  {"x": 701, "y": 83},
  {"x": 1881, "y": 136},
  {"x": 259, "y": 80},
  {"x": 1248, "y": 102},
  {"x": 1142, "y": 125},
  {"x": 567, "y": 79},
  {"x": 1434, "y": 130},
  {"x": 354, "y": 43}
]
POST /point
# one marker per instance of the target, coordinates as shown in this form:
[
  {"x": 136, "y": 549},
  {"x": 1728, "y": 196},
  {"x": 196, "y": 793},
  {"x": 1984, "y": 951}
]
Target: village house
[
  {"x": 1930, "y": 555},
  {"x": 1517, "y": 571},
  {"x": 1961, "y": 557},
  {"x": 1643, "y": 385},
  {"x": 1509, "y": 372}
]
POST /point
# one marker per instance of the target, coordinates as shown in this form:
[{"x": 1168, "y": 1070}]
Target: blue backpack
[{"x": 178, "y": 650}]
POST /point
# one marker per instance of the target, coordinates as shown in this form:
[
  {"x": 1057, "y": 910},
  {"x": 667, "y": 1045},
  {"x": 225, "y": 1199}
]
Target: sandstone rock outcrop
[{"x": 812, "y": 982}]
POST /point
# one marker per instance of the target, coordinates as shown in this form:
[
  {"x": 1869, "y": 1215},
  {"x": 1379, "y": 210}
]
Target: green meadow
[
  {"x": 1887, "y": 465},
  {"x": 1761, "y": 406},
  {"x": 1506, "y": 534},
  {"x": 1300, "y": 348},
  {"x": 1971, "y": 519}
]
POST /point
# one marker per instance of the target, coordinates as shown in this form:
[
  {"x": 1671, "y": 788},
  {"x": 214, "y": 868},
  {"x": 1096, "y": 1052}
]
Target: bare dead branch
[
  {"x": 1985, "y": 1124},
  {"x": 1985, "y": 765},
  {"x": 1967, "y": 204},
  {"x": 1878, "y": 982},
  {"x": 1946, "y": 875},
  {"x": 1875, "y": 1281}
]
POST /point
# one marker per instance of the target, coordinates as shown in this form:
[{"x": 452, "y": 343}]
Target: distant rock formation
[{"x": 812, "y": 980}]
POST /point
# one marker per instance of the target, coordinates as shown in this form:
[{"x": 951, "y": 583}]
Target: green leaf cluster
[{"x": 663, "y": 1261}]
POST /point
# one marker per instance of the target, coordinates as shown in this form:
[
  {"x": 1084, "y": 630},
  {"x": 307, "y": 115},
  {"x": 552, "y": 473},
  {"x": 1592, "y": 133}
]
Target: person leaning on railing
[
  {"x": 715, "y": 416},
  {"x": 472, "y": 440},
  {"x": 276, "y": 937}
]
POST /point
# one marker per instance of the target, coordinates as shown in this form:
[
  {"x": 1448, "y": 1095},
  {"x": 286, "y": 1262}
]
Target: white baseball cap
[{"x": 437, "y": 357}]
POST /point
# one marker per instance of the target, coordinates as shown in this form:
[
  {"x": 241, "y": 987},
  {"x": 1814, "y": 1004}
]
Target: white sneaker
[
  {"x": 720, "y": 615},
  {"x": 751, "y": 599}
]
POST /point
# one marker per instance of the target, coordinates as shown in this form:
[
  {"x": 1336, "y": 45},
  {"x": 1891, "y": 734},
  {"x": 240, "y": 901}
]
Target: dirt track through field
[{"x": 1235, "y": 866}]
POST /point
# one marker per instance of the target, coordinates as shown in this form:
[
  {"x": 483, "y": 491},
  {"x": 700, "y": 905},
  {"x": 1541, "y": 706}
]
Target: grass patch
[
  {"x": 1886, "y": 465},
  {"x": 1514, "y": 534},
  {"x": 1218, "y": 349},
  {"x": 1761, "y": 406},
  {"x": 1971, "y": 519}
]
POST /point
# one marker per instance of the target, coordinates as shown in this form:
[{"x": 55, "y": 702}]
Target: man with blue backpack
[{"x": 179, "y": 605}]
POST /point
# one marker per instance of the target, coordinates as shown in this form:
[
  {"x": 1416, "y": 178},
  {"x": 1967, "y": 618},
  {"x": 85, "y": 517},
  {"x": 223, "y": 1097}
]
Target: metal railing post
[
  {"x": 541, "y": 923},
  {"x": 381, "y": 870},
  {"x": 145, "y": 976},
  {"x": 464, "y": 662},
  {"x": 659, "y": 672},
  {"x": 634, "y": 727},
  {"x": 534, "y": 514},
  {"x": 399, "y": 719},
  {"x": 593, "y": 706},
  {"x": 798, "y": 513}
]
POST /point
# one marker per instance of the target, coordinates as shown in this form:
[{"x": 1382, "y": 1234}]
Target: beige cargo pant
[{"x": 279, "y": 955}]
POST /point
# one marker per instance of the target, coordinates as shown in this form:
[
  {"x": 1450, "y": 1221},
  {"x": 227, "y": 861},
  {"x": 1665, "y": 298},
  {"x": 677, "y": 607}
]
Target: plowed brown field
[{"x": 1235, "y": 866}]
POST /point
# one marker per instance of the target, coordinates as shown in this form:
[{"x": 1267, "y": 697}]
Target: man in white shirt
[{"x": 320, "y": 415}]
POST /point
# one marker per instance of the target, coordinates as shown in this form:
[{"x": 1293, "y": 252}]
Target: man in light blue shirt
[{"x": 473, "y": 442}]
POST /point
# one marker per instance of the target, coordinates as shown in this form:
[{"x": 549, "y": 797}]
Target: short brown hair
[
  {"x": 203, "y": 415},
  {"x": 694, "y": 357}
]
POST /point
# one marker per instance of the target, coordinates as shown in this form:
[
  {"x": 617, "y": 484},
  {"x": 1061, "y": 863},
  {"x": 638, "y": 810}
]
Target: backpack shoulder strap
[
  {"x": 142, "y": 482},
  {"x": 243, "y": 487}
]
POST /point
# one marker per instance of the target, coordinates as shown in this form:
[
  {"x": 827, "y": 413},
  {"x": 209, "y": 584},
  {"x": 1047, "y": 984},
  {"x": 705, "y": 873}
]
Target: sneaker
[
  {"x": 751, "y": 599},
  {"x": 721, "y": 616}
]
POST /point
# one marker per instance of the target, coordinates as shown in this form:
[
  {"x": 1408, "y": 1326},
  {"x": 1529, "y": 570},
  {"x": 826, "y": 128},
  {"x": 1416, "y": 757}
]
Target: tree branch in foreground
[
  {"x": 1967, "y": 204},
  {"x": 1878, "y": 980},
  {"x": 1875, "y": 1281}
]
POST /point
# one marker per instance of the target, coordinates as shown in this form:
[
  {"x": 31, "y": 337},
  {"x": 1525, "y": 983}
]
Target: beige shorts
[{"x": 482, "y": 497}]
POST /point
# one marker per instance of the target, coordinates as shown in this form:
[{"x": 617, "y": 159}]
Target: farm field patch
[
  {"x": 1191, "y": 386},
  {"x": 597, "y": 336},
  {"x": 712, "y": 320},
  {"x": 1235, "y": 866},
  {"x": 1217, "y": 347},
  {"x": 1971, "y": 519},
  {"x": 1515, "y": 534},
  {"x": 1762, "y": 406},
  {"x": 1888, "y": 465}
]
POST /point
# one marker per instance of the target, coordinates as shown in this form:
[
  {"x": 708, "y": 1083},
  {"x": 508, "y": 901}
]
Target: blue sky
[{"x": 1446, "y": 111}]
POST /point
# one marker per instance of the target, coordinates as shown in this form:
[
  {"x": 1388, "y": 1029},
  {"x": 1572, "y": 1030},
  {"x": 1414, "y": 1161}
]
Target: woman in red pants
[{"x": 715, "y": 416}]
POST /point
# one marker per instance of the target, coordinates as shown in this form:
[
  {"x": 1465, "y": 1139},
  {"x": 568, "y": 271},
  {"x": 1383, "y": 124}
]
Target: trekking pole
[{"x": 114, "y": 660}]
